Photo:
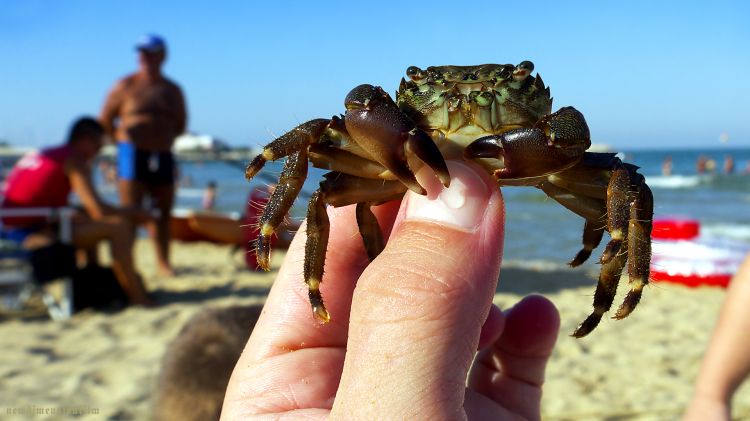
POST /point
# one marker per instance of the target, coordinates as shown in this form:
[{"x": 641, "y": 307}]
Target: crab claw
[
  {"x": 376, "y": 123},
  {"x": 426, "y": 150},
  {"x": 554, "y": 143},
  {"x": 485, "y": 147}
]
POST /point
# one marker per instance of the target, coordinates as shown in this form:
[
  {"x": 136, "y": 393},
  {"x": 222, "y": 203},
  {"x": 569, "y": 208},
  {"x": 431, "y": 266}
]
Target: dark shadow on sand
[
  {"x": 523, "y": 281},
  {"x": 163, "y": 297}
]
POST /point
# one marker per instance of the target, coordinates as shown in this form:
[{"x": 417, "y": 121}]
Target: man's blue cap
[{"x": 151, "y": 44}]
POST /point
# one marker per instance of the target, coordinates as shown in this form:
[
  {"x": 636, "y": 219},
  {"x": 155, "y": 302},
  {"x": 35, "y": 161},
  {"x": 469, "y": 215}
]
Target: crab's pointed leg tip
[
  {"x": 587, "y": 326},
  {"x": 627, "y": 307},
  {"x": 581, "y": 257},
  {"x": 321, "y": 314},
  {"x": 264, "y": 264}
]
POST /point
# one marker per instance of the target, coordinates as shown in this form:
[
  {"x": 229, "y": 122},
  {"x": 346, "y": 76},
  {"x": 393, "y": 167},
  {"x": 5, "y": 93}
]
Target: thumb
[{"x": 418, "y": 308}]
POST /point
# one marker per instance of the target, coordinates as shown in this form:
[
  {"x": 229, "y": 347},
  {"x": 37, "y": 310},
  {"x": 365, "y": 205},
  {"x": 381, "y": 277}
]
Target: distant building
[{"x": 191, "y": 142}]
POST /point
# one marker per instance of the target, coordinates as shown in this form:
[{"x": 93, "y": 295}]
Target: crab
[{"x": 497, "y": 115}]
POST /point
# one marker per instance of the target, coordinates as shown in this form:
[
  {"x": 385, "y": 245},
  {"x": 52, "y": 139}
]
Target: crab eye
[
  {"x": 523, "y": 70},
  {"x": 414, "y": 73},
  {"x": 526, "y": 65}
]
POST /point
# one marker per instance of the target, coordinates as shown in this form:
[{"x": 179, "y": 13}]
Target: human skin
[
  {"x": 406, "y": 327},
  {"x": 727, "y": 362},
  {"x": 99, "y": 221},
  {"x": 147, "y": 109}
]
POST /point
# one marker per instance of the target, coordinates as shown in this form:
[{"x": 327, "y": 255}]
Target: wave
[
  {"x": 733, "y": 231},
  {"x": 678, "y": 181},
  {"x": 190, "y": 193}
]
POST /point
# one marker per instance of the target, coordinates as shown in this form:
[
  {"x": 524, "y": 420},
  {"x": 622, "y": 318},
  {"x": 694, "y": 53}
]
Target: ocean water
[{"x": 538, "y": 228}]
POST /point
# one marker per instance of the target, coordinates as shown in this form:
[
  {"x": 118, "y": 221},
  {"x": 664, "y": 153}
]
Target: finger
[
  {"x": 287, "y": 322},
  {"x": 511, "y": 372},
  {"x": 492, "y": 328},
  {"x": 419, "y": 307},
  {"x": 292, "y": 362}
]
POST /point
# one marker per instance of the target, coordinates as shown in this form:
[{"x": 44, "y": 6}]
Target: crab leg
[
  {"x": 606, "y": 288},
  {"x": 593, "y": 231},
  {"x": 618, "y": 201},
  {"x": 590, "y": 179},
  {"x": 629, "y": 204},
  {"x": 290, "y": 183},
  {"x": 369, "y": 230},
  {"x": 340, "y": 190},
  {"x": 318, "y": 228},
  {"x": 339, "y": 160},
  {"x": 591, "y": 209},
  {"x": 639, "y": 244},
  {"x": 294, "y": 140}
]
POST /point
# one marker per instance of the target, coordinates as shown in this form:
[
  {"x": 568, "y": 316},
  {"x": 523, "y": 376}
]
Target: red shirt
[{"x": 37, "y": 180}]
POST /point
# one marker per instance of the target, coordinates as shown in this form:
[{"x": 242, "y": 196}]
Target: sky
[{"x": 646, "y": 74}]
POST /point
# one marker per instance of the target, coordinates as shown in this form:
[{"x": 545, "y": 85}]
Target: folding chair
[{"x": 17, "y": 279}]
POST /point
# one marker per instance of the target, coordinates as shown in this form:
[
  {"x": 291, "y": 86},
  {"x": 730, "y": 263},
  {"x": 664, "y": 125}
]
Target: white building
[{"x": 191, "y": 142}]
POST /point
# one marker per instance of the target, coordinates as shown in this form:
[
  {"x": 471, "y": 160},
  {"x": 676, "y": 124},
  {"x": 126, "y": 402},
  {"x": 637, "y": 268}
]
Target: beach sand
[{"x": 641, "y": 368}]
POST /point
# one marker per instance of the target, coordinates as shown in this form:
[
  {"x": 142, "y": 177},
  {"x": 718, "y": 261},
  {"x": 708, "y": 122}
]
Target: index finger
[{"x": 287, "y": 323}]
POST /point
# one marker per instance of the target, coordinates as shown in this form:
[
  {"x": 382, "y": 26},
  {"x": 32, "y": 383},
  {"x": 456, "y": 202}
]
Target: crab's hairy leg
[
  {"x": 591, "y": 209},
  {"x": 338, "y": 160},
  {"x": 606, "y": 288},
  {"x": 294, "y": 140},
  {"x": 292, "y": 178},
  {"x": 588, "y": 178},
  {"x": 588, "y": 207},
  {"x": 344, "y": 189},
  {"x": 369, "y": 230},
  {"x": 318, "y": 228},
  {"x": 389, "y": 136},
  {"x": 618, "y": 211},
  {"x": 593, "y": 231},
  {"x": 340, "y": 190},
  {"x": 639, "y": 245}
]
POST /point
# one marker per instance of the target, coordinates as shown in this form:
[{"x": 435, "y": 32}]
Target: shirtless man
[
  {"x": 46, "y": 179},
  {"x": 144, "y": 113}
]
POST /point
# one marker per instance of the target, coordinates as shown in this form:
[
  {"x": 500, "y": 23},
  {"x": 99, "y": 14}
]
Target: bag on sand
[
  {"x": 51, "y": 262},
  {"x": 97, "y": 287}
]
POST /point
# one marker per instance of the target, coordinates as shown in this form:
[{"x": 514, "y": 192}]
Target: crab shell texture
[
  {"x": 464, "y": 103},
  {"x": 498, "y": 115}
]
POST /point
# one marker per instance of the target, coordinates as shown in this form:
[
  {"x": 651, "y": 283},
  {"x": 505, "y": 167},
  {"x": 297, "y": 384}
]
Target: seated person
[{"x": 46, "y": 179}]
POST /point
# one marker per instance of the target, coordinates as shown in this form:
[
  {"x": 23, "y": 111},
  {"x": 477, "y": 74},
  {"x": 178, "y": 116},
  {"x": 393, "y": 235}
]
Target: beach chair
[{"x": 17, "y": 280}]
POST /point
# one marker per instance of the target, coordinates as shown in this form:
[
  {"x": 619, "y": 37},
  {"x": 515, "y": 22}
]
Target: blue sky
[{"x": 645, "y": 74}]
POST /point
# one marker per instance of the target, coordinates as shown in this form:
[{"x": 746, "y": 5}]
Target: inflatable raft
[{"x": 680, "y": 254}]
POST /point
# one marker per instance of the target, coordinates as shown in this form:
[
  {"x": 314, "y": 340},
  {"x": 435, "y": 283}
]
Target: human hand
[
  {"x": 705, "y": 408},
  {"x": 402, "y": 343}
]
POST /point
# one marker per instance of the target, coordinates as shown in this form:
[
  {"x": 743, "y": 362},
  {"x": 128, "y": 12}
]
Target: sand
[{"x": 105, "y": 364}]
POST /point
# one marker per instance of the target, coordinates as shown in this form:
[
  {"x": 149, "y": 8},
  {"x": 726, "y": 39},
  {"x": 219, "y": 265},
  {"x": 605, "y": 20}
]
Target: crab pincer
[{"x": 375, "y": 123}]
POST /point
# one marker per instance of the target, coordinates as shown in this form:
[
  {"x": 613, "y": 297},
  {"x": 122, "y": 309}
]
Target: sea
[{"x": 537, "y": 227}]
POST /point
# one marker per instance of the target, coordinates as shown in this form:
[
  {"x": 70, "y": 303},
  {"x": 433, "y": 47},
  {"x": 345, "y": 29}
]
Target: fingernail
[{"x": 460, "y": 206}]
